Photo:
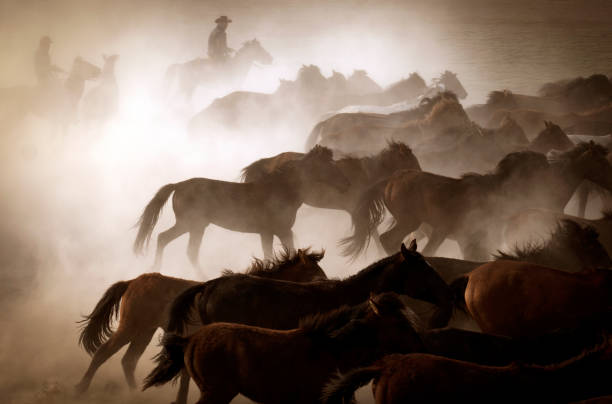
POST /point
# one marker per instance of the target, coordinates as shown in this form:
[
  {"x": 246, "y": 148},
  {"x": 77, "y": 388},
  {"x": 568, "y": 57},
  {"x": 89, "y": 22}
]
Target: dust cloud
[{"x": 70, "y": 200}]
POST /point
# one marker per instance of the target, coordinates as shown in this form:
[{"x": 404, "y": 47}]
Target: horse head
[
  {"x": 109, "y": 64},
  {"x": 396, "y": 156},
  {"x": 253, "y": 51},
  {"x": 318, "y": 165},
  {"x": 451, "y": 83},
  {"x": 411, "y": 274},
  {"x": 589, "y": 161}
]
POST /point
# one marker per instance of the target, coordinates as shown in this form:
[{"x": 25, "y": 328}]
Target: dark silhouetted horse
[
  {"x": 272, "y": 366},
  {"x": 268, "y": 206},
  {"x": 145, "y": 303}
]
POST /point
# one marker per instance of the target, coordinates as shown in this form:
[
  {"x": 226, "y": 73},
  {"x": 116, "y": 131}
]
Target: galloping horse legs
[
  {"x": 436, "y": 239},
  {"x": 196, "y": 232},
  {"x": 106, "y": 350},
  {"x": 392, "y": 238},
  {"x": 286, "y": 238},
  {"x": 266, "y": 244},
  {"x": 133, "y": 353},
  {"x": 164, "y": 238}
]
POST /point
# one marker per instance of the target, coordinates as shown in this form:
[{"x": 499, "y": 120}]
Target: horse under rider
[
  {"x": 218, "y": 51},
  {"x": 42, "y": 62}
]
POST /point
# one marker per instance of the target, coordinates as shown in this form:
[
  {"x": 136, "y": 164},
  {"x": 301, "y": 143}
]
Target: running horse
[
  {"x": 268, "y": 206},
  {"x": 143, "y": 305},
  {"x": 362, "y": 173},
  {"x": 286, "y": 366},
  {"x": 186, "y": 77}
]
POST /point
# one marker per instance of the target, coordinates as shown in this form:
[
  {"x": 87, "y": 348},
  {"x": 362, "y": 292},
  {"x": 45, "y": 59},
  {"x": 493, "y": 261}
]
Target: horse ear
[{"x": 413, "y": 245}]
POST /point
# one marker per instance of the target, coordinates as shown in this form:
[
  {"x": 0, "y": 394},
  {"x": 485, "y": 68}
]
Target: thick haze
[{"x": 69, "y": 203}]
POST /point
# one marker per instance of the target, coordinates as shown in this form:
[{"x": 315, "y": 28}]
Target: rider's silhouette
[
  {"x": 42, "y": 62},
  {"x": 218, "y": 50}
]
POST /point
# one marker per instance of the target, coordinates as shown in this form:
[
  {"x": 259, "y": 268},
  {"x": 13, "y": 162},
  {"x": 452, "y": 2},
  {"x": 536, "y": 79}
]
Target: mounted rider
[
  {"x": 45, "y": 71},
  {"x": 218, "y": 51}
]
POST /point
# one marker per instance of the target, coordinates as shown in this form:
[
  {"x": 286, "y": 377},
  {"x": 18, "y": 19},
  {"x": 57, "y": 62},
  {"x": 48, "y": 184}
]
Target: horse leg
[
  {"x": 437, "y": 238},
  {"x": 266, "y": 244},
  {"x": 195, "y": 240},
  {"x": 164, "y": 238},
  {"x": 286, "y": 238},
  {"x": 106, "y": 350},
  {"x": 181, "y": 395},
  {"x": 583, "y": 197},
  {"x": 392, "y": 238},
  {"x": 133, "y": 353}
]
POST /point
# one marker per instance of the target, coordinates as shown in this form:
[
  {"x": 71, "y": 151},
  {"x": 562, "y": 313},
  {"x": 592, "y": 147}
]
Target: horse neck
[
  {"x": 357, "y": 288},
  {"x": 286, "y": 182},
  {"x": 565, "y": 180},
  {"x": 242, "y": 62}
]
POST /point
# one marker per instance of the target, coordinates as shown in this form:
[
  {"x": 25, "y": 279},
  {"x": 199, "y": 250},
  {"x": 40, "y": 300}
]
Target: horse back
[
  {"x": 516, "y": 298},
  {"x": 263, "y": 302}
]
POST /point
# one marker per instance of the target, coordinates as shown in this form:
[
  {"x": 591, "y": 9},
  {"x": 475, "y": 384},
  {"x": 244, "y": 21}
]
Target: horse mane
[
  {"x": 566, "y": 229},
  {"x": 502, "y": 99},
  {"x": 270, "y": 267},
  {"x": 413, "y": 80},
  {"x": 323, "y": 325},
  {"x": 522, "y": 161},
  {"x": 581, "y": 148},
  {"x": 566, "y": 88},
  {"x": 367, "y": 162}
]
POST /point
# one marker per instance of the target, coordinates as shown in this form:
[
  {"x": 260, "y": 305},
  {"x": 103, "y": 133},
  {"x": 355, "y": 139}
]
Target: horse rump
[{"x": 170, "y": 361}]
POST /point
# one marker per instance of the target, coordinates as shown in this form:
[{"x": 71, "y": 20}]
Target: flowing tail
[
  {"x": 367, "y": 217},
  {"x": 458, "y": 289},
  {"x": 313, "y": 137},
  {"x": 342, "y": 389},
  {"x": 170, "y": 361},
  {"x": 181, "y": 308},
  {"x": 149, "y": 217},
  {"x": 96, "y": 327}
]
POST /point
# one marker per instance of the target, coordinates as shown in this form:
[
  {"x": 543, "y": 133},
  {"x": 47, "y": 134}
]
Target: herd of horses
[{"x": 533, "y": 280}]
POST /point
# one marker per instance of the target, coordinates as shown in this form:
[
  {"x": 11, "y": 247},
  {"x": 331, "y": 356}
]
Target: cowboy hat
[{"x": 223, "y": 18}]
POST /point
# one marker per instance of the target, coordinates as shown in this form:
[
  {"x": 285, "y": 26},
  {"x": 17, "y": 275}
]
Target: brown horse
[
  {"x": 272, "y": 366},
  {"x": 423, "y": 378},
  {"x": 361, "y": 172},
  {"x": 268, "y": 206},
  {"x": 145, "y": 303},
  {"x": 521, "y": 180},
  {"x": 453, "y": 207},
  {"x": 362, "y": 133},
  {"x": 279, "y": 305},
  {"x": 518, "y": 298}
]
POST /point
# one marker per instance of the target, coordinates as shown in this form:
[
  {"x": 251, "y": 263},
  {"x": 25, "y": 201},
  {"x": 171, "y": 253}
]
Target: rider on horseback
[
  {"x": 42, "y": 62},
  {"x": 218, "y": 50}
]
